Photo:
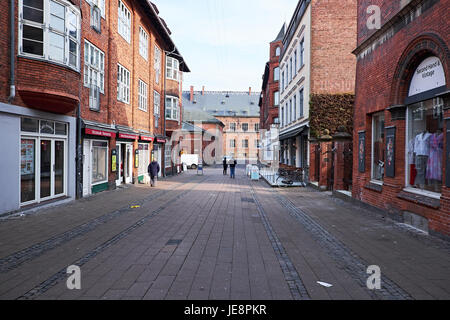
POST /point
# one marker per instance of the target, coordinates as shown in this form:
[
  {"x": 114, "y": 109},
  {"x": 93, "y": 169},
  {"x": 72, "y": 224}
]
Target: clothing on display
[
  {"x": 422, "y": 144},
  {"x": 434, "y": 164},
  {"x": 421, "y": 167}
]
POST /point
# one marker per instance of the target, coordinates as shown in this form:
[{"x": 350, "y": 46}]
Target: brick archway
[{"x": 422, "y": 47}]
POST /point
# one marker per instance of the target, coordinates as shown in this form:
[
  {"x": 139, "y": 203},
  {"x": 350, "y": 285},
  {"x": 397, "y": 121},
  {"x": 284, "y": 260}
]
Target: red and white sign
[
  {"x": 161, "y": 140},
  {"x": 128, "y": 136},
  {"x": 147, "y": 138},
  {"x": 100, "y": 133}
]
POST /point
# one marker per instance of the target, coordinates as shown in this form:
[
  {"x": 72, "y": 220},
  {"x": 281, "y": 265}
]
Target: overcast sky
[{"x": 225, "y": 43}]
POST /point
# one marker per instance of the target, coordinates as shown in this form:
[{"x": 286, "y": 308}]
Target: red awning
[
  {"x": 100, "y": 133},
  {"x": 147, "y": 138}
]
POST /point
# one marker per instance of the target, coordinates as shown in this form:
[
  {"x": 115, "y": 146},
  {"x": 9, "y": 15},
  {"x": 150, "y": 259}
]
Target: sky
[{"x": 225, "y": 43}]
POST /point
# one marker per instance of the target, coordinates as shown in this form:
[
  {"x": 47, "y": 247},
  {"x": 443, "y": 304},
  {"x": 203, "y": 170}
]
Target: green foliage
[{"x": 329, "y": 111}]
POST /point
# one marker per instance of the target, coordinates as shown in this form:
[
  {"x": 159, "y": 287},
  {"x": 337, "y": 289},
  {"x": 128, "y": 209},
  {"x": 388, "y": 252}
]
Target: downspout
[{"x": 12, "y": 87}]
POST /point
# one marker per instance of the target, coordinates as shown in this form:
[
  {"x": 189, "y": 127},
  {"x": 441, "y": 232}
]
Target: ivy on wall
[{"x": 329, "y": 111}]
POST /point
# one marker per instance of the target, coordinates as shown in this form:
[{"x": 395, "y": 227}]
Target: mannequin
[{"x": 422, "y": 151}]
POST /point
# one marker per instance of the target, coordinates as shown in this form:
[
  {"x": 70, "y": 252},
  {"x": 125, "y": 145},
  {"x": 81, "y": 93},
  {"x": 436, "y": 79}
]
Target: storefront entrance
[{"x": 125, "y": 163}]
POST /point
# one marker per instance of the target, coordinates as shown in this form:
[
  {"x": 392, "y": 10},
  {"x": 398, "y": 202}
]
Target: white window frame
[
  {"x": 232, "y": 143},
  {"x": 100, "y": 4},
  {"x": 47, "y": 30},
  {"x": 97, "y": 67},
  {"x": 156, "y": 106},
  {"x": 124, "y": 21},
  {"x": 233, "y": 126},
  {"x": 301, "y": 103},
  {"x": 277, "y": 51},
  {"x": 157, "y": 64},
  {"x": 92, "y": 161},
  {"x": 143, "y": 95},
  {"x": 276, "y": 74},
  {"x": 172, "y": 70},
  {"x": 123, "y": 84},
  {"x": 172, "y": 108},
  {"x": 242, "y": 126},
  {"x": 245, "y": 143},
  {"x": 143, "y": 43},
  {"x": 276, "y": 98}
]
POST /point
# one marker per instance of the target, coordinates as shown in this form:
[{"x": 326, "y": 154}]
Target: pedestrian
[
  {"x": 233, "y": 168},
  {"x": 225, "y": 166},
  {"x": 153, "y": 170}
]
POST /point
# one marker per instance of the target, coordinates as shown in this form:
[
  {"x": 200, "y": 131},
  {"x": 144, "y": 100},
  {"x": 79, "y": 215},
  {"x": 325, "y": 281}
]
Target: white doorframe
[
  {"x": 129, "y": 162},
  {"x": 87, "y": 162},
  {"x": 119, "y": 163}
]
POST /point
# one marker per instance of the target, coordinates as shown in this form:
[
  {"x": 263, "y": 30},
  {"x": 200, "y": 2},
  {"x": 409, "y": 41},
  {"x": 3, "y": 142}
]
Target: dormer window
[{"x": 277, "y": 51}]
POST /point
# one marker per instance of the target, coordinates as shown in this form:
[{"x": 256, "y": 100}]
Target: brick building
[
  {"x": 232, "y": 119},
  {"x": 402, "y": 105},
  {"x": 316, "y": 60},
  {"x": 83, "y": 96},
  {"x": 269, "y": 102}
]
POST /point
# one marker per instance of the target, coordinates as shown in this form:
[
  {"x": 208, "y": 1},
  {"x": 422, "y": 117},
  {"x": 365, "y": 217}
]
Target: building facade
[
  {"x": 269, "y": 103},
  {"x": 231, "y": 118},
  {"x": 82, "y": 96},
  {"x": 316, "y": 60},
  {"x": 401, "y": 113}
]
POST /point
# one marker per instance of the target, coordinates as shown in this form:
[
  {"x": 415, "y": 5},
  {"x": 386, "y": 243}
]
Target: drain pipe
[{"x": 12, "y": 87}]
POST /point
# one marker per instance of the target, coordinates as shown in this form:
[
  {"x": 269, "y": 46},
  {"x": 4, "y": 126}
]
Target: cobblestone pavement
[{"x": 212, "y": 237}]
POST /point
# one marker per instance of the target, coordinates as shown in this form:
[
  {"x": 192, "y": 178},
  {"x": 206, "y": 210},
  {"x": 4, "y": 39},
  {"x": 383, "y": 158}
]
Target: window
[
  {"x": 143, "y": 43},
  {"x": 94, "y": 66},
  {"x": 99, "y": 162},
  {"x": 50, "y": 30},
  {"x": 301, "y": 102},
  {"x": 281, "y": 116},
  {"x": 294, "y": 114},
  {"x": 290, "y": 69},
  {"x": 256, "y": 127},
  {"x": 168, "y": 156},
  {"x": 282, "y": 82},
  {"x": 233, "y": 143},
  {"x": 302, "y": 50},
  {"x": 295, "y": 61},
  {"x": 172, "y": 67},
  {"x": 233, "y": 126},
  {"x": 290, "y": 110},
  {"x": 142, "y": 96},
  {"x": 256, "y": 143},
  {"x": 157, "y": 64},
  {"x": 276, "y": 74},
  {"x": 156, "y": 107},
  {"x": 123, "y": 84},
  {"x": 245, "y": 143},
  {"x": 245, "y": 127},
  {"x": 124, "y": 23},
  {"x": 100, "y": 4},
  {"x": 172, "y": 108},
  {"x": 277, "y": 51},
  {"x": 276, "y": 98},
  {"x": 425, "y": 144},
  {"x": 378, "y": 146},
  {"x": 96, "y": 18},
  {"x": 276, "y": 120}
]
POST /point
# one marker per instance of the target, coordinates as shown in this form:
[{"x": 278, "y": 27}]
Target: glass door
[
  {"x": 119, "y": 165},
  {"x": 46, "y": 169},
  {"x": 28, "y": 170},
  {"x": 59, "y": 168},
  {"x": 128, "y": 163}
]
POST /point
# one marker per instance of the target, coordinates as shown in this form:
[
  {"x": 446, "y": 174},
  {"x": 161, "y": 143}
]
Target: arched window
[{"x": 277, "y": 51}]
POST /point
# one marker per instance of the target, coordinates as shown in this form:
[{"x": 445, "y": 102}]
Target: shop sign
[
  {"x": 429, "y": 75},
  {"x": 136, "y": 158},
  {"x": 390, "y": 152},
  {"x": 114, "y": 160},
  {"x": 128, "y": 136},
  {"x": 362, "y": 152},
  {"x": 147, "y": 138},
  {"x": 99, "y": 133},
  {"x": 161, "y": 140}
]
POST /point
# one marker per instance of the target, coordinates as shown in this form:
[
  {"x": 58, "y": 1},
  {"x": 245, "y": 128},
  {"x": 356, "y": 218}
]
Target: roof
[
  {"x": 189, "y": 127},
  {"x": 280, "y": 35},
  {"x": 192, "y": 115},
  {"x": 223, "y": 103}
]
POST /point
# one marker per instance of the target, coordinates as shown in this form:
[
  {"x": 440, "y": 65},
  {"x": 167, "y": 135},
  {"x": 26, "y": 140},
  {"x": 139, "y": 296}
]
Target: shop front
[
  {"x": 38, "y": 162},
  {"x": 96, "y": 159},
  {"x": 158, "y": 153},
  {"x": 144, "y": 157},
  {"x": 125, "y": 157}
]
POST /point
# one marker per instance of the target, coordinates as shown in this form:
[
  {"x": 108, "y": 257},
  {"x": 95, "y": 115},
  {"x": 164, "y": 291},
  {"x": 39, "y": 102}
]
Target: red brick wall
[
  {"x": 333, "y": 38},
  {"x": 382, "y": 80}
]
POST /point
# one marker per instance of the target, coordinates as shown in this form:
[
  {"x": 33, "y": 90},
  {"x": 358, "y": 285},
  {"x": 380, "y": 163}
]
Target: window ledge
[
  {"x": 374, "y": 186},
  {"x": 418, "y": 197}
]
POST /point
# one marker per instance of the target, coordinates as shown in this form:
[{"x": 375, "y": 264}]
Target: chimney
[
  {"x": 191, "y": 98},
  {"x": 249, "y": 91},
  {"x": 203, "y": 90}
]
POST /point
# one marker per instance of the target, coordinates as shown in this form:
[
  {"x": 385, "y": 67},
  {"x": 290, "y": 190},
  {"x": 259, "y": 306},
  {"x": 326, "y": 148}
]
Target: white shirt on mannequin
[{"x": 422, "y": 144}]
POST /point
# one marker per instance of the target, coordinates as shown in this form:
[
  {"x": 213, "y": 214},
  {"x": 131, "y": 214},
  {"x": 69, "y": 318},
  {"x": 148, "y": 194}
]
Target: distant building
[
  {"x": 270, "y": 101},
  {"x": 237, "y": 116}
]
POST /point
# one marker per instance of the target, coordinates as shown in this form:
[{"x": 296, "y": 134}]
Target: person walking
[
  {"x": 153, "y": 170},
  {"x": 225, "y": 166},
  {"x": 233, "y": 168}
]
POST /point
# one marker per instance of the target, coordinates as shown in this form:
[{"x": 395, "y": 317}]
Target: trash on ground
[{"x": 324, "y": 284}]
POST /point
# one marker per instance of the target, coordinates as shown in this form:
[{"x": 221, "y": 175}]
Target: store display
[{"x": 434, "y": 165}]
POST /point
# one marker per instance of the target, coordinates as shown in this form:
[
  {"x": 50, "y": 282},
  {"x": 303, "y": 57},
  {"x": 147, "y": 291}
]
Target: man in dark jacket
[
  {"x": 225, "y": 166},
  {"x": 153, "y": 170},
  {"x": 233, "y": 164}
]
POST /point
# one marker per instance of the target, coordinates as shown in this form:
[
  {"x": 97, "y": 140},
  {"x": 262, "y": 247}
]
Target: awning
[
  {"x": 293, "y": 133},
  {"x": 147, "y": 138}
]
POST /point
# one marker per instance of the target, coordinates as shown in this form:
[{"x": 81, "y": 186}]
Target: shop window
[
  {"x": 425, "y": 144},
  {"x": 99, "y": 162},
  {"x": 378, "y": 147}
]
